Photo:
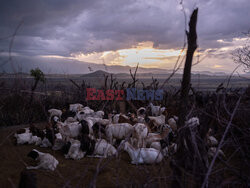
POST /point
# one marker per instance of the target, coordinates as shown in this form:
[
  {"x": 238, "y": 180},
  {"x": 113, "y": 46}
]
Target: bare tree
[
  {"x": 242, "y": 55},
  {"x": 191, "y": 155},
  {"x": 38, "y": 76},
  {"x": 133, "y": 76}
]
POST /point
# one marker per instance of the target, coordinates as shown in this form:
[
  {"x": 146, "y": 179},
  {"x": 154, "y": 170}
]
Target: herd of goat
[{"x": 148, "y": 136}]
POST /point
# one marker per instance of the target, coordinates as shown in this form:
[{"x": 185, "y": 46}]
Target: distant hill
[
  {"x": 121, "y": 75},
  {"x": 69, "y": 66},
  {"x": 210, "y": 73},
  {"x": 54, "y": 66},
  {"x": 195, "y": 75},
  {"x": 98, "y": 73}
]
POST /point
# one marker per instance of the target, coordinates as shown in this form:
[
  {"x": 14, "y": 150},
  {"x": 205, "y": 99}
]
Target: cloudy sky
[{"x": 123, "y": 32}]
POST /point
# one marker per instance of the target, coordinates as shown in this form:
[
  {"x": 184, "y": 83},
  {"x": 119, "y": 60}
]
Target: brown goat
[{"x": 124, "y": 119}]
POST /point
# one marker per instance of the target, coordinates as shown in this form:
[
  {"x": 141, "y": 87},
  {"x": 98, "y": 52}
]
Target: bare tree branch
[{"x": 205, "y": 182}]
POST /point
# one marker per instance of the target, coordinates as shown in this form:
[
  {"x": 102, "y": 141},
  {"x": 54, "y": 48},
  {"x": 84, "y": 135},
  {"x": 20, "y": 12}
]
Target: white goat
[
  {"x": 54, "y": 112},
  {"x": 27, "y": 137},
  {"x": 75, "y": 151},
  {"x": 118, "y": 131},
  {"x": 157, "y": 145},
  {"x": 103, "y": 148},
  {"x": 98, "y": 114},
  {"x": 172, "y": 123},
  {"x": 35, "y": 140},
  {"x": 143, "y": 155},
  {"x": 87, "y": 110},
  {"x": 46, "y": 161},
  {"x": 70, "y": 130},
  {"x": 116, "y": 118},
  {"x": 156, "y": 110},
  {"x": 94, "y": 119},
  {"x": 140, "y": 119},
  {"x": 23, "y": 138},
  {"x": 81, "y": 115},
  {"x": 140, "y": 133},
  {"x": 75, "y": 107},
  {"x": 141, "y": 112},
  {"x": 156, "y": 137},
  {"x": 157, "y": 121}
]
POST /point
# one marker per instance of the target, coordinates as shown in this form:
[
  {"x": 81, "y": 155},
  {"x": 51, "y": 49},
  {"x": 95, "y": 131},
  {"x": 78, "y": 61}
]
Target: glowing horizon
[{"x": 148, "y": 56}]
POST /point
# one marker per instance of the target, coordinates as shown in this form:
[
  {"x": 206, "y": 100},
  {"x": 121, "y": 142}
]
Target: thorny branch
[{"x": 205, "y": 182}]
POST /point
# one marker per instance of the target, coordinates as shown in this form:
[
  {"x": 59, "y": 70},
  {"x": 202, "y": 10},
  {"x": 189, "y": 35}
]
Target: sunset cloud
[{"x": 118, "y": 32}]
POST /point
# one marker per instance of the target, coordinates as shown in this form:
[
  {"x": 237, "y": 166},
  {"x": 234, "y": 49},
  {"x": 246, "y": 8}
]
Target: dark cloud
[{"x": 61, "y": 27}]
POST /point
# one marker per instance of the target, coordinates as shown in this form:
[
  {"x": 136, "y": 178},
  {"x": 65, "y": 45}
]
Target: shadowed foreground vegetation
[{"x": 211, "y": 108}]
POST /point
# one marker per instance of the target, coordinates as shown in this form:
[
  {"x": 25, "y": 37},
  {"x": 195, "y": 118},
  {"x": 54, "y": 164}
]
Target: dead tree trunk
[
  {"x": 191, "y": 151},
  {"x": 192, "y": 45}
]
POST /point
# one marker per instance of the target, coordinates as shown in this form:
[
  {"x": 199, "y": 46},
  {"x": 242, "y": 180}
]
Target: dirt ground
[{"x": 81, "y": 173}]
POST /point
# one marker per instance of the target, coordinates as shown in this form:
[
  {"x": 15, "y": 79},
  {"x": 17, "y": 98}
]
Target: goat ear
[{"x": 33, "y": 154}]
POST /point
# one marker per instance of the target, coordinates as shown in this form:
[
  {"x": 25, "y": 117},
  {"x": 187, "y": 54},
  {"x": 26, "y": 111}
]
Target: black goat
[{"x": 87, "y": 145}]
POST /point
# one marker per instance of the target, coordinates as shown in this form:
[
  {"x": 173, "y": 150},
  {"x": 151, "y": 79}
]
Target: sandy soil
[{"x": 69, "y": 173}]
